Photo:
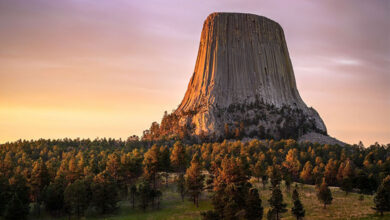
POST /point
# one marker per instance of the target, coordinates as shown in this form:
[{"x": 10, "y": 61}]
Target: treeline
[{"x": 78, "y": 177}]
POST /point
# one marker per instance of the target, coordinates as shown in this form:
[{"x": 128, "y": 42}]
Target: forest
[{"x": 80, "y": 177}]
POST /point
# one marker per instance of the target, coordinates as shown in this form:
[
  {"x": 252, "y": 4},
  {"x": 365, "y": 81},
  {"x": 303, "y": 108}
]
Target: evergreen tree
[
  {"x": 276, "y": 202},
  {"x": 157, "y": 194},
  {"x": 275, "y": 175},
  {"x": 131, "y": 168},
  {"x": 54, "y": 198},
  {"x": 181, "y": 186},
  {"x": 145, "y": 192},
  {"x": 178, "y": 157},
  {"x": 295, "y": 194},
  {"x": 297, "y": 210},
  {"x": 259, "y": 169},
  {"x": 164, "y": 160},
  {"x": 76, "y": 198},
  {"x": 16, "y": 209},
  {"x": 324, "y": 194},
  {"x": 114, "y": 168},
  {"x": 231, "y": 189},
  {"x": 39, "y": 179},
  {"x": 264, "y": 181},
  {"x": 133, "y": 194},
  {"x": 287, "y": 180},
  {"x": 104, "y": 193},
  {"x": 151, "y": 165},
  {"x": 254, "y": 209},
  {"x": 232, "y": 209},
  {"x": 195, "y": 179},
  {"x": 348, "y": 175},
  {"x": 73, "y": 172},
  {"x": 330, "y": 172},
  {"x": 4, "y": 194},
  {"x": 19, "y": 204},
  {"x": 307, "y": 173},
  {"x": 382, "y": 197},
  {"x": 292, "y": 163},
  {"x": 165, "y": 163},
  {"x": 366, "y": 183}
]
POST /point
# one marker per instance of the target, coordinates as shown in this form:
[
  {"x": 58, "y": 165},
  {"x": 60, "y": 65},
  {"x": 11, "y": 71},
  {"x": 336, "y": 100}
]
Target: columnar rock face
[{"x": 244, "y": 79}]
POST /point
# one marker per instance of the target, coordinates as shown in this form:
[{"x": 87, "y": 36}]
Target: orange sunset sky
[{"x": 102, "y": 68}]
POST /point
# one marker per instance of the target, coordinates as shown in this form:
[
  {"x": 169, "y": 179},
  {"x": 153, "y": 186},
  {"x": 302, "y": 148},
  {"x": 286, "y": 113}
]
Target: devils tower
[{"x": 243, "y": 84}]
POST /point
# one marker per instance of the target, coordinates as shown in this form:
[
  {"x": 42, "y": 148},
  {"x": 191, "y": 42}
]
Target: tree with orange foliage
[
  {"x": 178, "y": 157},
  {"x": 194, "y": 180}
]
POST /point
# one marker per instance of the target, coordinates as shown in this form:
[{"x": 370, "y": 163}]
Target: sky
[{"x": 102, "y": 68}]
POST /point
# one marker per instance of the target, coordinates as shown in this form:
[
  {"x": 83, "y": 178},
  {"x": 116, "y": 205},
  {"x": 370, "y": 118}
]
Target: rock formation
[{"x": 243, "y": 84}]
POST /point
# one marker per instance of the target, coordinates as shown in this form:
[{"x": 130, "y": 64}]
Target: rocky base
[
  {"x": 320, "y": 139},
  {"x": 256, "y": 119}
]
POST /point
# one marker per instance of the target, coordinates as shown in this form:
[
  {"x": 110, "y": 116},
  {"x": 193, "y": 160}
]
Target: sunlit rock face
[{"x": 244, "y": 77}]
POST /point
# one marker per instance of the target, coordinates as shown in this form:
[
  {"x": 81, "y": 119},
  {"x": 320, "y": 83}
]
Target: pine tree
[
  {"x": 131, "y": 168},
  {"x": 297, "y": 210},
  {"x": 231, "y": 189},
  {"x": 19, "y": 205},
  {"x": 292, "y": 163},
  {"x": 382, "y": 197},
  {"x": 324, "y": 194},
  {"x": 73, "y": 172},
  {"x": 165, "y": 163},
  {"x": 151, "y": 165},
  {"x": 195, "y": 179},
  {"x": 113, "y": 167},
  {"x": 4, "y": 191},
  {"x": 39, "y": 180},
  {"x": 330, "y": 172},
  {"x": 307, "y": 173},
  {"x": 16, "y": 209},
  {"x": 104, "y": 193},
  {"x": 295, "y": 194},
  {"x": 254, "y": 209},
  {"x": 276, "y": 202},
  {"x": 54, "y": 198},
  {"x": 275, "y": 175},
  {"x": 144, "y": 191},
  {"x": 178, "y": 157},
  {"x": 181, "y": 186},
  {"x": 76, "y": 198},
  {"x": 157, "y": 194},
  {"x": 133, "y": 194},
  {"x": 287, "y": 180},
  {"x": 264, "y": 181},
  {"x": 258, "y": 170},
  {"x": 348, "y": 174}
]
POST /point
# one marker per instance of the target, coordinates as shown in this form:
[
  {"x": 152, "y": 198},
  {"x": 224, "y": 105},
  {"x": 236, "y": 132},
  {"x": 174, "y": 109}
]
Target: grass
[
  {"x": 171, "y": 207},
  {"x": 343, "y": 206}
]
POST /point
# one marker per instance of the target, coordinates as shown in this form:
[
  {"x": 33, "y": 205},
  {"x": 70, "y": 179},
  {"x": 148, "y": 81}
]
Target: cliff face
[
  {"x": 241, "y": 56},
  {"x": 243, "y": 86},
  {"x": 244, "y": 79}
]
